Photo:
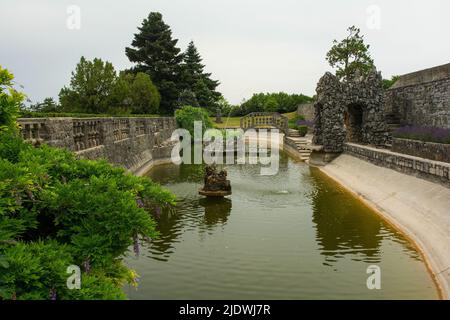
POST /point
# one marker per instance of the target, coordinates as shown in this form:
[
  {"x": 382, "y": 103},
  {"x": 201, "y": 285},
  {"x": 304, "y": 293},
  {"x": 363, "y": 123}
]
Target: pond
[{"x": 295, "y": 235}]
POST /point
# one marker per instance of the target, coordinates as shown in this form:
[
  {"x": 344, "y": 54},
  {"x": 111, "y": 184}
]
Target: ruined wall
[
  {"x": 128, "y": 142},
  {"x": 421, "y": 98}
]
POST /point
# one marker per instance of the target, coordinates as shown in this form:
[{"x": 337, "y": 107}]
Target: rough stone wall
[
  {"x": 434, "y": 171},
  {"x": 306, "y": 110},
  {"x": 349, "y": 111},
  {"x": 428, "y": 150},
  {"x": 421, "y": 98},
  {"x": 129, "y": 142}
]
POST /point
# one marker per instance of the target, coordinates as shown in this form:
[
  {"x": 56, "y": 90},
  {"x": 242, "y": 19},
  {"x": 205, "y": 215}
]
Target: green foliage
[
  {"x": 205, "y": 96},
  {"x": 196, "y": 79},
  {"x": 95, "y": 88},
  {"x": 293, "y": 121},
  {"x": 10, "y": 102},
  {"x": 155, "y": 53},
  {"x": 187, "y": 115},
  {"x": 135, "y": 92},
  {"x": 303, "y": 130},
  {"x": 389, "y": 83},
  {"x": 187, "y": 98},
  {"x": 350, "y": 55},
  {"x": 90, "y": 87},
  {"x": 31, "y": 114},
  {"x": 271, "y": 102},
  {"x": 49, "y": 105},
  {"x": 56, "y": 211}
]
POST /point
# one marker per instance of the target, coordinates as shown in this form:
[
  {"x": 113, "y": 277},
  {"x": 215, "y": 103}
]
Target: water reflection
[
  {"x": 345, "y": 226},
  {"x": 216, "y": 211},
  {"x": 191, "y": 214},
  {"x": 290, "y": 236}
]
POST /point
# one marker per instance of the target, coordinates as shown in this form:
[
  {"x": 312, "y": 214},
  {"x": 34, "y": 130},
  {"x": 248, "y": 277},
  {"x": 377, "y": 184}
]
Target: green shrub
[
  {"x": 303, "y": 130},
  {"x": 56, "y": 211},
  {"x": 187, "y": 115},
  {"x": 293, "y": 121},
  {"x": 10, "y": 102}
]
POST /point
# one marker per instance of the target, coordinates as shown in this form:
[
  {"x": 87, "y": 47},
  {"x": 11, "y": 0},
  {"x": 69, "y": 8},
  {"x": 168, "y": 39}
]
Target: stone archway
[
  {"x": 354, "y": 123},
  {"x": 350, "y": 111}
]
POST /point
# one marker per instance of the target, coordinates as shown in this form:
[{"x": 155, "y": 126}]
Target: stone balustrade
[
  {"x": 265, "y": 119},
  {"x": 130, "y": 142}
]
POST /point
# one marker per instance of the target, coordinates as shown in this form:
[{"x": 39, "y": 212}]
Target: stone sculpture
[{"x": 215, "y": 183}]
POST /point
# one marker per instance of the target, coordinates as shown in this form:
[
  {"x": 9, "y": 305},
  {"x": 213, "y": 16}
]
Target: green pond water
[{"x": 295, "y": 235}]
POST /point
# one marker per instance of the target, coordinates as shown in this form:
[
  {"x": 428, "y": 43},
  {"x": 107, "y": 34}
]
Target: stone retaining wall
[
  {"x": 431, "y": 170},
  {"x": 428, "y": 150},
  {"x": 421, "y": 98},
  {"x": 129, "y": 142}
]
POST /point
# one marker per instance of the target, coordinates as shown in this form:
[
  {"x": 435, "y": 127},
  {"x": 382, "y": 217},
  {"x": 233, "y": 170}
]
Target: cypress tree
[{"x": 155, "y": 52}]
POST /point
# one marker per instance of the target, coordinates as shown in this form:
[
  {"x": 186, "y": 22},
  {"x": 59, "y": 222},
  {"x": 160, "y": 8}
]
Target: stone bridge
[
  {"x": 265, "y": 120},
  {"x": 133, "y": 143}
]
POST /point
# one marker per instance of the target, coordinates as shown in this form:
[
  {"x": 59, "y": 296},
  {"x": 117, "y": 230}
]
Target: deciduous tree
[{"x": 350, "y": 55}]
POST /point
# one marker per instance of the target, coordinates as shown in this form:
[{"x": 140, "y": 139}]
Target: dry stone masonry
[
  {"x": 421, "y": 98},
  {"x": 350, "y": 111}
]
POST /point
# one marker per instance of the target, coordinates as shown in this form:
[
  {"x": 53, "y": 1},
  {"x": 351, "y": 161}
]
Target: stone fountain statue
[{"x": 216, "y": 183}]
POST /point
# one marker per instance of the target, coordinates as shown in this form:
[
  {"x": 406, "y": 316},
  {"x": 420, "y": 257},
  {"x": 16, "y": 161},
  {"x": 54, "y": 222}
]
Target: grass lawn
[{"x": 234, "y": 122}]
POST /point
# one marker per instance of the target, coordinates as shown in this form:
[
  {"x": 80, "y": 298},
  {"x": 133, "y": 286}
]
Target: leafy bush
[
  {"x": 186, "y": 116},
  {"x": 299, "y": 123},
  {"x": 427, "y": 134},
  {"x": 10, "y": 102},
  {"x": 293, "y": 122},
  {"x": 56, "y": 211}
]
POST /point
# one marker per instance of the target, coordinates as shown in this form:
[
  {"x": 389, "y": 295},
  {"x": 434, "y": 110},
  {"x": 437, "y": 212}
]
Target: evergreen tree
[
  {"x": 187, "y": 98},
  {"x": 193, "y": 72},
  {"x": 204, "y": 96},
  {"x": 154, "y": 51}
]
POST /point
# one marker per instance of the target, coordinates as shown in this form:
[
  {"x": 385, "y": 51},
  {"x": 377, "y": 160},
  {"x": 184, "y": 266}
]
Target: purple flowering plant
[{"x": 426, "y": 134}]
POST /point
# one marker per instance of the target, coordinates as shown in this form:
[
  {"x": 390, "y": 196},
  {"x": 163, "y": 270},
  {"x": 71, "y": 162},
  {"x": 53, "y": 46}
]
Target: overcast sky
[{"x": 248, "y": 45}]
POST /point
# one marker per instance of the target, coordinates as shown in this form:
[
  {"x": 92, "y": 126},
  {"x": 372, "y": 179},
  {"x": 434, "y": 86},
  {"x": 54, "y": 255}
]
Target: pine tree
[
  {"x": 195, "y": 79},
  {"x": 154, "y": 51},
  {"x": 204, "y": 96}
]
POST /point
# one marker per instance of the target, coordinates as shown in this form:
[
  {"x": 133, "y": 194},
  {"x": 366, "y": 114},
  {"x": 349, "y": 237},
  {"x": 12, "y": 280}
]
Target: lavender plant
[{"x": 427, "y": 134}]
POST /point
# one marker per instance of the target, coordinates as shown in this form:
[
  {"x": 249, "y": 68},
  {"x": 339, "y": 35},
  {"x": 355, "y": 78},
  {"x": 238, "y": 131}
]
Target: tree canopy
[
  {"x": 10, "y": 102},
  {"x": 350, "y": 55},
  {"x": 96, "y": 88},
  {"x": 271, "y": 102},
  {"x": 90, "y": 87},
  {"x": 196, "y": 79},
  {"x": 154, "y": 51}
]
